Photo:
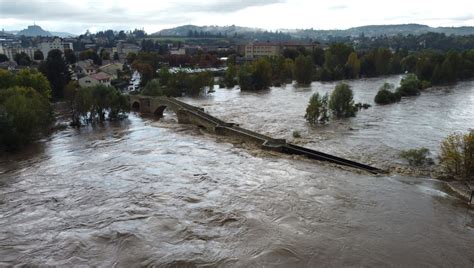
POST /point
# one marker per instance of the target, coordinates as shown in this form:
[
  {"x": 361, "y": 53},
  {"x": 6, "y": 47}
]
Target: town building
[
  {"x": 112, "y": 69},
  {"x": 95, "y": 79},
  {"x": 268, "y": 49},
  {"x": 126, "y": 48},
  {"x": 56, "y": 43}
]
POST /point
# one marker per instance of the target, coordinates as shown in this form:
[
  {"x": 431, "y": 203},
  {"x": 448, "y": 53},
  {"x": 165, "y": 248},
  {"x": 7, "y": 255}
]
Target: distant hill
[
  {"x": 389, "y": 30},
  {"x": 369, "y": 31},
  {"x": 34, "y": 30},
  {"x": 185, "y": 29}
]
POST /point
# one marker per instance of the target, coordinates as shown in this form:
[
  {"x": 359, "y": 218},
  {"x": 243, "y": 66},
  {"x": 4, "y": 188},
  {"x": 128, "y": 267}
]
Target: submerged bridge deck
[{"x": 188, "y": 114}]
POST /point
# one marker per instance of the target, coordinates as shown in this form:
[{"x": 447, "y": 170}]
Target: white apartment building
[{"x": 56, "y": 43}]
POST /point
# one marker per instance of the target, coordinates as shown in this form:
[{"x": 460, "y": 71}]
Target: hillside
[
  {"x": 369, "y": 31},
  {"x": 185, "y": 29}
]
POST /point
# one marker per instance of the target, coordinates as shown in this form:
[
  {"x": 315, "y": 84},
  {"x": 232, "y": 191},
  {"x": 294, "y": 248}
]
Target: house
[
  {"x": 95, "y": 79},
  {"x": 85, "y": 67},
  {"x": 112, "y": 69},
  {"x": 126, "y": 48},
  {"x": 178, "y": 51}
]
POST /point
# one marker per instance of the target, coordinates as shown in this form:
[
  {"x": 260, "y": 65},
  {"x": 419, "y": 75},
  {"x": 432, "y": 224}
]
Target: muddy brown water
[{"x": 153, "y": 192}]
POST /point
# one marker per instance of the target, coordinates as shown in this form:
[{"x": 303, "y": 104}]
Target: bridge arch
[
  {"x": 160, "y": 109},
  {"x": 136, "y": 106}
]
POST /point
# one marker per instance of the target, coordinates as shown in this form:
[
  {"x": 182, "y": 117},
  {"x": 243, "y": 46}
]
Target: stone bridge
[{"x": 188, "y": 114}]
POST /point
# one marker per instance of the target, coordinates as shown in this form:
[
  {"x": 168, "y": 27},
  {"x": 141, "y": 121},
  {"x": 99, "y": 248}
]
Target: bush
[
  {"x": 317, "y": 109},
  {"x": 385, "y": 96},
  {"x": 296, "y": 134},
  {"x": 341, "y": 102},
  {"x": 417, "y": 157},
  {"x": 457, "y": 155}
]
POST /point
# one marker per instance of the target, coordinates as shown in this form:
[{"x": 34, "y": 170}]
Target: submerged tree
[{"x": 341, "y": 102}]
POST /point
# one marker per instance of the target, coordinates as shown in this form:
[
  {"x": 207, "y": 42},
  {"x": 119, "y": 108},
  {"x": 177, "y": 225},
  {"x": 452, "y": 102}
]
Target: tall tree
[
  {"x": 303, "y": 70},
  {"x": 57, "y": 72},
  {"x": 38, "y": 55}
]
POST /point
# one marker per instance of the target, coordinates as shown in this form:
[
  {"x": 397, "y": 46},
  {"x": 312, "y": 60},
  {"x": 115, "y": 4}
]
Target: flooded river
[{"x": 155, "y": 193}]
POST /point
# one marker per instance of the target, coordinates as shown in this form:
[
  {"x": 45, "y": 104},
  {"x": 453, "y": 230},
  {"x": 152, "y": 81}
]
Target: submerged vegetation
[
  {"x": 340, "y": 103},
  {"x": 95, "y": 104},
  {"x": 417, "y": 157}
]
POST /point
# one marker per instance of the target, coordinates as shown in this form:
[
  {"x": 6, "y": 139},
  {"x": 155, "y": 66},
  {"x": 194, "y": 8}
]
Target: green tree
[
  {"x": 341, "y": 102},
  {"x": 24, "y": 114},
  {"x": 303, "y": 70},
  {"x": 255, "y": 76},
  {"x": 57, "y": 72},
  {"x": 38, "y": 55},
  {"x": 230, "y": 76},
  {"x": 353, "y": 65},
  {"x": 70, "y": 56},
  {"x": 262, "y": 74},
  {"x": 317, "y": 109}
]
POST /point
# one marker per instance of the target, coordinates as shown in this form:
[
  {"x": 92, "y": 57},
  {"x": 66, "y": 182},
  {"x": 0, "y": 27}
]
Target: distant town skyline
[{"x": 78, "y": 16}]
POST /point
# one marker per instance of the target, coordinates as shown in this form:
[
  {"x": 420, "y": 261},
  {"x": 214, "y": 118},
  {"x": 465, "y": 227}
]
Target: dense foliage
[
  {"x": 177, "y": 84},
  {"x": 25, "y": 111},
  {"x": 256, "y": 75}
]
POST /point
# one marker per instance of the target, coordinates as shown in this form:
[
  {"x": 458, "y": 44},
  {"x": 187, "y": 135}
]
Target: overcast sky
[{"x": 79, "y": 15}]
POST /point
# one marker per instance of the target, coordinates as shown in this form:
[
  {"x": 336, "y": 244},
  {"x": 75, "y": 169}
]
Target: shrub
[
  {"x": 296, "y": 134},
  {"x": 385, "y": 96},
  {"x": 417, "y": 157},
  {"x": 341, "y": 102},
  {"x": 457, "y": 155}
]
